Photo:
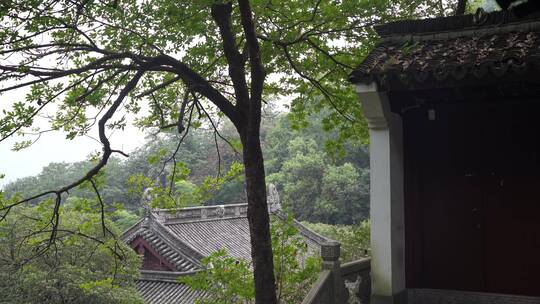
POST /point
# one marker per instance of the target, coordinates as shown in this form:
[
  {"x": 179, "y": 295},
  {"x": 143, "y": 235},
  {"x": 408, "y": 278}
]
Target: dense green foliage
[
  {"x": 83, "y": 264},
  {"x": 227, "y": 280},
  {"x": 317, "y": 182},
  {"x": 354, "y": 239}
]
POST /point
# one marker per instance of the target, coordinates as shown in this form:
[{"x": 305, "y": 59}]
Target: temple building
[
  {"x": 452, "y": 106},
  {"x": 173, "y": 243}
]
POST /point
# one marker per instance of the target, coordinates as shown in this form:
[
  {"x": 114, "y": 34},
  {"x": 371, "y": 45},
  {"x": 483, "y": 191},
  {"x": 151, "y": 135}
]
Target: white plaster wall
[{"x": 387, "y": 195}]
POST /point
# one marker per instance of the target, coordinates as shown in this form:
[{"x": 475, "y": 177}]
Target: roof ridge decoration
[
  {"x": 476, "y": 21},
  {"x": 199, "y": 213},
  {"x": 273, "y": 201},
  {"x": 214, "y": 212},
  {"x": 165, "y": 276},
  {"x": 176, "y": 228},
  {"x": 310, "y": 234}
]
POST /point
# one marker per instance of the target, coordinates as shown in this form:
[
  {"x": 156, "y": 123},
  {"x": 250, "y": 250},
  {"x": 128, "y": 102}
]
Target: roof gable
[
  {"x": 178, "y": 239},
  {"x": 152, "y": 260},
  {"x": 157, "y": 240}
]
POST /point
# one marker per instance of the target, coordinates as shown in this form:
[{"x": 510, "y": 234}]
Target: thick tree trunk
[
  {"x": 461, "y": 6},
  {"x": 259, "y": 220}
]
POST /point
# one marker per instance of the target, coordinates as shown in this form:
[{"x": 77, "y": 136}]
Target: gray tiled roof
[
  {"x": 210, "y": 236},
  {"x": 158, "y": 292},
  {"x": 206, "y": 229},
  {"x": 162, "y": 287}
]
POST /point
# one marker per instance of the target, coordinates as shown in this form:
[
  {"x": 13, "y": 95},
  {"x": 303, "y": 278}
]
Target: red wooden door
[
  {"x": 512, "y": 201},
  {"x": 472, "y": 198},
  {"x": 450, "y": 200}
]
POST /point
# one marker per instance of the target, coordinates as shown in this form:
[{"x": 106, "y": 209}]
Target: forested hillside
[{"x": 319, "y": 180}]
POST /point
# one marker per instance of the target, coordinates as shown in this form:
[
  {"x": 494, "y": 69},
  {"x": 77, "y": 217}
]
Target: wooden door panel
[
  {"x": 452, "y": 252},
  {"x": 512, "y": 238},
  {"x": 450, "y": 201},
  {"x": 474, "y": 179},
  {"x": 512, "y": 205}
]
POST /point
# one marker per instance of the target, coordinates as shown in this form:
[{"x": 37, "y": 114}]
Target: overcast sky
[{"x": 53, "y": 146}]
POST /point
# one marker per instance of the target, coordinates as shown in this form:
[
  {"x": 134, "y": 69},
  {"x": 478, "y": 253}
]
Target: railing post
[{"x": 330, "y": 252}]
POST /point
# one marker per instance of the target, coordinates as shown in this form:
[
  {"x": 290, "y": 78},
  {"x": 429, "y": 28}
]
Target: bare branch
[
  {"x": 158, "y": 87},
  {"x": 173, "y": 156},
  {"x": 102, "y": 209},
  {"x": 214, "y": 126},
  {"x": 327, "y": 54},
  {"x": 120, "y": 152}
]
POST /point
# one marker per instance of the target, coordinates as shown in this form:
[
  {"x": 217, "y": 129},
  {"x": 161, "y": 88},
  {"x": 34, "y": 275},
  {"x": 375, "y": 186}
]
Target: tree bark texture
[
  {"x": 259, "y": 220},
  {"x": 461, "y": 6},
  {"x": 250, "y": 117}
]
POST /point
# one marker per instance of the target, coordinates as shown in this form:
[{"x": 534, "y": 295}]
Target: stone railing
[
  {"x": 320, "y": 292},
  {"x": 330, "y": 287},
  {"x": 340, "y": 284},
  {"x": 357, "y": 277}
]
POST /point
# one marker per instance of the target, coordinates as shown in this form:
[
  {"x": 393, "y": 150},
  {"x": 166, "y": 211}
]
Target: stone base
[
  {"x": 400, "y": 298},
  {"x": 435, "y": 296}
]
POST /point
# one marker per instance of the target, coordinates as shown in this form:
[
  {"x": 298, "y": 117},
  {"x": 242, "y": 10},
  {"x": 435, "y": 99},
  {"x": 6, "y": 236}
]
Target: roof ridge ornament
[
  {"x": 146, "y": 199},
  {"x": 480, "y": 16},
  {"x": 220, "y": 211},
  {"x": 272, "y": 199}
]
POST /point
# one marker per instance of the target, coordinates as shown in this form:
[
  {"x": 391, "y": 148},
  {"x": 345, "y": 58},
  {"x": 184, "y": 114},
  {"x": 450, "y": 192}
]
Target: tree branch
[
  {"x": 221, "y": 12},
  {"x": 107, "y": 151},
  {"x": 257, "y": 70},
  {"x": 461, "y": 6},
  {"x": 199, "y": 84},
  {"x": 102, "y": 209},
  {"x": 214, "y": 125},
  {"x": 158, "y": 87},
  {"x": 315, "y": 83}
]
